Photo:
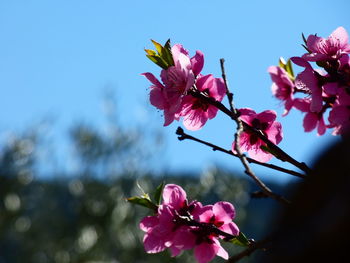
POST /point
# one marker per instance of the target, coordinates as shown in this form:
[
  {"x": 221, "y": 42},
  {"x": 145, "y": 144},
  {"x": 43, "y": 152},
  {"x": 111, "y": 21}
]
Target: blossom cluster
[
  {"x": 180, "y": 225},
  {"x": 325, "y": 90},
  {"x": 179, "y": 75}
]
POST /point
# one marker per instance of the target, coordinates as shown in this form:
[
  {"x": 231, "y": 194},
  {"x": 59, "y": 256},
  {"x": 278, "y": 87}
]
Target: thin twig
[
  {"x": 254, "y": 246},
  {"x": 237, "y": 148},
  {"x": 184, "y": 136}
]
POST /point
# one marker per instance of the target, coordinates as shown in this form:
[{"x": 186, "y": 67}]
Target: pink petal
[
  {"x": 302, "y": 104},
  {"x": 309, "y": 79},
  {"x": 221, "y": 251},
  {"x": 205, "y": 252},
  {"x": 321, "y": 127},
  {"x": 312, "y": 43},
  {"x": 205, "y": 214},
  {"x": 310, "y": 121},
  {"x": 230, "y": 228},
  {"x": 313, "y": 57},
  {"x": 182, "y": 61},
  {"x": 224, "y": 211},
  {"x": 274, "y": 133},
  {"x": 168, "y": 117},
  {"x": 153, "y": 244},
  {"x": 247, "y": 115},
  {"x": 156, "y": 98},
  {"x": 341, "y": 34},
  {"x": 203, "y": 81},
  {"x": 247, "y": 111},
  {"x": 153, "y": 79},
  {"x": 148, "y": 222},
  {"x": 260, "y": 155},
  {"x": 195, "y": 120},
  {"x": 174, "y": 251},
  {"x": 267, "y": 116},
  {"x": 183, "y": 239},
  {"x": 212, "y": 111},
  {"x": 174, "y": 195},
  {"x": 178, "y": 49},
  {"x": 339, "y": 115},
  {"x": 244, "y": 142},
  {"x": 300, "y": 62},
  {"x": 287, "y": 106},
  {"x": 331, "y": 88},
  {"x": 218, "y": 89},
  {"x": 197, "y": 62},
  {"x": 274, "y": 71}
]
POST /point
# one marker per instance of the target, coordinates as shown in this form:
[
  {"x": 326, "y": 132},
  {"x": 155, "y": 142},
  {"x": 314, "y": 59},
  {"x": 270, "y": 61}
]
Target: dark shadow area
[{"x": 315, "y": 228}]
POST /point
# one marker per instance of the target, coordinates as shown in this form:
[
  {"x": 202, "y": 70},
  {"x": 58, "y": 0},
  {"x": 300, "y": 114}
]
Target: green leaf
[
  {"x": 282, "y": 63},
  {"x": 158, "y": 193},
  {"x": 158, "y": 47},
  {"x": 308, "y": 50},
  {"x": 289, "y": 68},
  {"x": 153, "y": 59},
  {"x": 240, "y": 240},
  {"x": 167, "y": 53},
  {"x": 150, "y": 52},
  {"x": 159, "y": 61},
  {"x": 142, "y": 201},
  {"x": 304, "y": 38},
  {"x": 162, "y": 55}
]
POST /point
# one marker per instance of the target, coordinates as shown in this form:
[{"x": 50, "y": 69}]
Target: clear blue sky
[{"x": 58, "y": 57}]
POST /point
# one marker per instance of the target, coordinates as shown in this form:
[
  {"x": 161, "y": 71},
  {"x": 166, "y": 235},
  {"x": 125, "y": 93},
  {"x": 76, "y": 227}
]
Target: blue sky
[{"x": 57, "y": 58}]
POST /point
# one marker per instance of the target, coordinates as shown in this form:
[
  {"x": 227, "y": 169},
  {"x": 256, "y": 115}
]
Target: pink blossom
[
  {"x": 331, "y": 48},
  {"x": 176, "y": 81},
  {"x": 339, "y": 116},
  {"x": 196, "y": 111},
  {"x": 164, "y": 230},
  {"x": 265, "y": 122},
  {"x": 179, "y": 225},
  {"x": 282, "y": 87},
  {"x": 308, "y": 82},
  {"x": 311, "y": 119},
  {"x": 207, "y": 245}
]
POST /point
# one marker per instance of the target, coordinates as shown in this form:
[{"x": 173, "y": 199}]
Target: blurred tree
[{"x": 83, "y": 216}]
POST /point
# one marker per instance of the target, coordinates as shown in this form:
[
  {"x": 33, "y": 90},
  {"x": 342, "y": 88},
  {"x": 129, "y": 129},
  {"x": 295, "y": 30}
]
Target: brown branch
[
  {"x": 237, "y": 148},
  {"x": 184, "y": 136},
  {"x": 254, "y": 246}
]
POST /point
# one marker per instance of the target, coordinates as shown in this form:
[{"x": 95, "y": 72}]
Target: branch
[
  {"x": 237, "y": 148},
  {"x": 254, "y": 246},
  {"x": 184, "y": 136}
]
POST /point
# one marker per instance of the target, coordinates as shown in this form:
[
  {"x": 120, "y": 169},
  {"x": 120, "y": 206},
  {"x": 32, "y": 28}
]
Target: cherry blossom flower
[
  {"x": 311, "y": 119},
  {"x": 176, "y": 81},
  {"x": 339, "y": 116},
  {"x": 220, "y": 215},
  {"x": 265, "y": 122},
  {"x": 196, "y": 111},
  {"x": 331, "y": 48},
  {"x": 308, "y": 82},
  {"x": 158, "y": 98},
  {"x": 179, "y": 225},
  {"x": 282, "y": 87},
  {"x": 164, "y": 230}
]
